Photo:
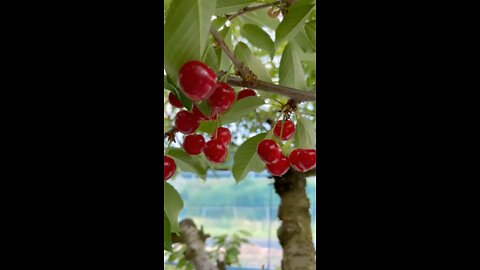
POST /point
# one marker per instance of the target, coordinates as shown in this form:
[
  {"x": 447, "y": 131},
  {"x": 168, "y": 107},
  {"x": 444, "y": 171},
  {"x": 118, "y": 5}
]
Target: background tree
[{"x": 269, "y": 46}]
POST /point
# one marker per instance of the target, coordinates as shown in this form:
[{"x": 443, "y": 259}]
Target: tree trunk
[
  {"x": 295, "y": 233},
  {"x": 195, "y": 241}
]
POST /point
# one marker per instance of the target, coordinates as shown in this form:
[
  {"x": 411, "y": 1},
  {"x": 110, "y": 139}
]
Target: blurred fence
[{"x": 223, "y": 207}]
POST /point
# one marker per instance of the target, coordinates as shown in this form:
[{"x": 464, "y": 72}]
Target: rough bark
[
  {"x": 295, "y": 233},
  {"x": 195, "y": 241}
]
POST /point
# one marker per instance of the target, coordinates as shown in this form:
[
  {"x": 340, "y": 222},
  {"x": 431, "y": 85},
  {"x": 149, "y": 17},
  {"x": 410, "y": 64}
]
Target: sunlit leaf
[
  {"x": 186, "y": 33},
  {"x": 293, "y": 22},
  {"x": 246, "y": 158},
  {"x": 172, "y": 205},
  {"x": 291, "y": 70}
]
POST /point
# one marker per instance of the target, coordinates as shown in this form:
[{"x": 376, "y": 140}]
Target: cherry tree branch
[
  {"x": 249, "y": 9},
  {"x": 248, "y": 79},
  {"x": 240, "y": 67},
  {"x": 298, "y": 95}
]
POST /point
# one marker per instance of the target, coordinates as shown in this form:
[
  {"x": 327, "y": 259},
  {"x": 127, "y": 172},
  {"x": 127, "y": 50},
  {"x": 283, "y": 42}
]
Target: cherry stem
[
  {"x": 281, "y": 128},
  {"x": 168, "y": 146}
]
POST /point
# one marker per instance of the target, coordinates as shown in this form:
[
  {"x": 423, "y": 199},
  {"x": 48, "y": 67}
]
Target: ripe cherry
[
  {"x": 174, "y": 100},
  {"x": 303, "y": 160},
  {"x": 194, "y": 144},
  {"x": 222, "y": 98},
  {"x": 223, "y": 134},
  {"x": 198, "y": 113},
  {"x": 197, "y": 80},
  {"x": 186, "y": 122},
  {"x": 169, "y": 168},
  {"x": 288, "y": 129},
  {"x": 269, "y": 151},
  {"x": 215, "y": 151},
  {"x": 280, "y": 167},
  {"x": 246, "y": 93}
]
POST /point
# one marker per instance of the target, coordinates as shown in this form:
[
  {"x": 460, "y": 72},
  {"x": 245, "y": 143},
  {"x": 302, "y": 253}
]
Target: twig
[
  {"x": 296, "y": 94},
  {"x": 248, "y": 79},
  {"x": 169, "y": 132},
  {"x": 248, "y": 9},
  {"x": 244, "y": 72}
]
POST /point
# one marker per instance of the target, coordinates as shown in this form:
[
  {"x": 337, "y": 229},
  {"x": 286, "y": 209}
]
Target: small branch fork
[
  {"x": 248, "y": 79},
  {"x": 248, "y": 9}
]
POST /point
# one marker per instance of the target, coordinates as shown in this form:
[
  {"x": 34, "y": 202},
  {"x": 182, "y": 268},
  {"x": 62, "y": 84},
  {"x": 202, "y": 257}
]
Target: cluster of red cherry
[
  {"x": 277, "y": 164},
  {"x": 199, "y": 83}
]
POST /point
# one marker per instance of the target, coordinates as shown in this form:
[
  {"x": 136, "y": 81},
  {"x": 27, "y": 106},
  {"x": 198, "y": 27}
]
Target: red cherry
[
  {"x": 288, "y": 129},
  {"x": 222, "y": 98},
  {"x": 198, "y": 113},
  {"x": 169, "y": 168},
  {"x": 303, "y": 160},
  {"x": 197, "y": 80},
  {"x": 194, "y": 144},
  {"x": 269, "y": 151},
  {"x": 246, "y": 93},
  {"x": 174, "y": 100},
  {"x": 280, "y": 167},
  {"x": 186, "y": 122},
  {"x": 215, "y": 151},
  {"x": 223, "y": 134}
]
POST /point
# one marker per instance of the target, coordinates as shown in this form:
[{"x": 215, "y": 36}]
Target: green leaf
[
  {"x": 304, "y": 42},
  {"x": 186, "y": 102},
  {"x": 210, "y": 58},
  {"x": 293, "y": 22},
  {"x": 259, "y": 38},
  {"x": 311, "y": 31},
  {"x": 260, "y": 18},
  {"x": 291, "y": 70},
  {"x": 204, "y": 108},
  {"x": 305, "y": 137},
  {"x": 207, "y": 126},
  {"x": 186, "y": 33},
  {"x": 241, "y": 108},
  {"x": 167, "y": 236},
  {"x": 223, "y": 58},
  {"x": 231, "y": 6},
  {"x": 187, "y": 163},
  {"x": 219, "y": 22},
  {"x": 181, "y": 262},
  {"x": 246, "y": 158},
  {"x": 243, "y": 53},
  {"x": 172, "y": 206}
]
